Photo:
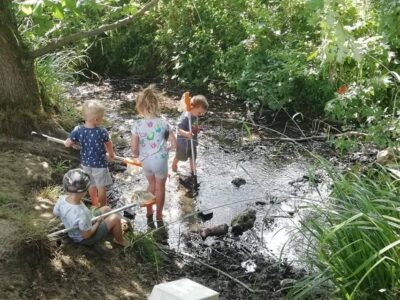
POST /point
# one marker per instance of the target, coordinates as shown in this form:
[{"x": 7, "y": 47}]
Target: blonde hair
[
  {"x": 92, "y": 109},
  {"x": 148, "y": 101},
  {"x": 199, "y": 100}
]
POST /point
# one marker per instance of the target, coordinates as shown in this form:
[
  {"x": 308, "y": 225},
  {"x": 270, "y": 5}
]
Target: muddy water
[{"x": 275, "y": 174}]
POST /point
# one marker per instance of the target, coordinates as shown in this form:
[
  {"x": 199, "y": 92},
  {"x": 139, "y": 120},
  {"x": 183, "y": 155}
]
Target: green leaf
[
  {"x": 58, "y": 14},
  {"x": 312, "y": 55},
  {"x": 70, "y": 4},
  {"x": 26, "y": 9}
]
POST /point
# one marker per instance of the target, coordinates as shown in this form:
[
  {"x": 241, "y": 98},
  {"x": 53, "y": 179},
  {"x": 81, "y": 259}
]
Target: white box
[{"x": 182, "y": 289}]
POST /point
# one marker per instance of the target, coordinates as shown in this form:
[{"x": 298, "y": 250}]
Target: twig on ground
[
  {"x": 317, "y": 137},
  {"x": 225, "y": 274}
]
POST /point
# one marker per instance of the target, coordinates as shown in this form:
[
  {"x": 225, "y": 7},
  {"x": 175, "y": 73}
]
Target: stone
[
  {"x": 243, "y": 222},
  {"x": 238, "y": 181}
]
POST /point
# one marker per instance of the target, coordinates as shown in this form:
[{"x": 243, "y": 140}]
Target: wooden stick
[
  {"x": 318, "y": 137},
  {"x": 188, "y": 109}
]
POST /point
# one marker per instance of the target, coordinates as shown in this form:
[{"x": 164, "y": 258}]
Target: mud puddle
[{"x": 277, "y": 181}]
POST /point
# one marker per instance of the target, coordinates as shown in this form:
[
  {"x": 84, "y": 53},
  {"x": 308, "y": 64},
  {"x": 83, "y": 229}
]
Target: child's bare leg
[
  {"x": 160, "y": 196},
  {"x": 93, "y": 196},
  {"x": 113, "y": 223},
  {"x": 102, "y": 195},
  {"x": 105, "y": 209},
  {"x": 152, "y": 189},
  {"x": 174, "y": 165}
]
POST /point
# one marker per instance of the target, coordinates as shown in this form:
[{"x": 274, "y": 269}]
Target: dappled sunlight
[
  {"x": 47, "y": 215},
  {"x": 36, "y": 169},
  {"x": 44, "y": 206}
]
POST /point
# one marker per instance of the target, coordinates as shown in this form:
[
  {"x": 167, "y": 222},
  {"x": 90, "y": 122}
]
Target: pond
[{"x": 278, "y": 180}]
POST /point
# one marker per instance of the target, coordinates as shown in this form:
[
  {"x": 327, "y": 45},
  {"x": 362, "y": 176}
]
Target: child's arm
[
  {"x": 73, "y": 140},
  {"x": 172, "y": 141},
  {"x": 69, "y": 143},
  {"x": 88, "y": 233},
  {"x": 184, "y": 133},
  {"x": 135, "y": 145},
  {"x": 110, "y": 150}
]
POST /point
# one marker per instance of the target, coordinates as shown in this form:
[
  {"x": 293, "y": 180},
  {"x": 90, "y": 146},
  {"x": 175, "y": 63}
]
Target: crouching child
[{"x": 74, "y": 214}]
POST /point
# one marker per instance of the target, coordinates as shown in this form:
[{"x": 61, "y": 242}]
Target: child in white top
[{"x": 74, "y": 214}]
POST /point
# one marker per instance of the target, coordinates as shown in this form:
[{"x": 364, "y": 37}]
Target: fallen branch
[{"x": 317, "y": 137}]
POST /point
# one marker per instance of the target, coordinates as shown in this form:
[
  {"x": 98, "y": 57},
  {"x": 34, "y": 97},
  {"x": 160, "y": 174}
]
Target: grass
[
  {"x": 354, "y": 240},
  {"x": 143, "y": 247},
  {"x": 50, "y": 192}
]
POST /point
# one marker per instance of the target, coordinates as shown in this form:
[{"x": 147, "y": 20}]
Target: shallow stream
[{"x": 276, "y": 176}]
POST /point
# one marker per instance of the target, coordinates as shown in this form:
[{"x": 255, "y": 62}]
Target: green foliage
[
  {"x": 345, "y": 145},
  {"x": 54, "y": 69},
  {"x": 389, "y": 20},
  {"x": 68, "y": 116},
  {"x": 59, "y": 168},
  {"x": 128, "y": 51},
  {"x": 143, "y": 247},
  {"x": 355, "y": 238},
  {"x": 42, "y": 20},
  {"x": 289, "y": 53},
  {"x": 4, "y": 199}
]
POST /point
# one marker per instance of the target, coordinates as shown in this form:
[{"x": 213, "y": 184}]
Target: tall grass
[
  {"x": 53, "y": 71},
  {"x": 354, "y": 240}
]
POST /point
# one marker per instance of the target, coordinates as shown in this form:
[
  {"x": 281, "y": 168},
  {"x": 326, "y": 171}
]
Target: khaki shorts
[
  {"x": 101, "y": 232},
  {"x": 98, "y": 176},
  {"x": 99, "y": 235}
]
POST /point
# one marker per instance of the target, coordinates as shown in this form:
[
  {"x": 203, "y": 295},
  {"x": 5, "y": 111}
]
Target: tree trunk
[
  {"x": 21, "y": 104},
  {"x": 18, "y": 85}
]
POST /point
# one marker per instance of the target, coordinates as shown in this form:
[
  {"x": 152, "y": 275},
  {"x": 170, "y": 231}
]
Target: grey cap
[{"x": 76, "y": 181}]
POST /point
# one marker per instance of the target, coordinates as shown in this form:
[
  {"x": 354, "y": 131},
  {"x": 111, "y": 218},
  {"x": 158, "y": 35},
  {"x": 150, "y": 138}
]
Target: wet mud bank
[{"x": 239, "y": 171}]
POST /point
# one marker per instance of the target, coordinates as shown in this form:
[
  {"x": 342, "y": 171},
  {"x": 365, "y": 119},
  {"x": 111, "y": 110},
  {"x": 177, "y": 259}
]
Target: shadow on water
[{"x": 276, "y": 178}]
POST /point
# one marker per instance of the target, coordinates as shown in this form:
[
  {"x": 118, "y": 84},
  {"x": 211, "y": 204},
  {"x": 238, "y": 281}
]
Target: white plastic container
[{"x": 182, "y": 289}]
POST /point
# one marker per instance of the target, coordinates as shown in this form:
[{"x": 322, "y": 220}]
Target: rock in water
[
  {"x": 243, "y": 222},
  {"x": 205, "y": 215},
  {"x": 238, "y": 181},
  {"x": 214, "y": 231}
]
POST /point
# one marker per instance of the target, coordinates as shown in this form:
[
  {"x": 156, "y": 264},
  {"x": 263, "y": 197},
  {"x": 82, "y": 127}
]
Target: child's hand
[
  {"x": 110, "y": 156},
  {"x": 76, "y": 146},
  {"x": 195, "y": 130},
  {"x": 69, "y": 143},
  {"x": 188, "y": 135}
]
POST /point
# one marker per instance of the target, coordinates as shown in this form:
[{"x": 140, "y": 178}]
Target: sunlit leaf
[
  {"x": 30, "y": 2},
  {"x": 26, "y": 9},
  {"x": 70, "y": 4},
  {"x": 312, "y": 55},
  {"x": 58, "y": 14}
]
